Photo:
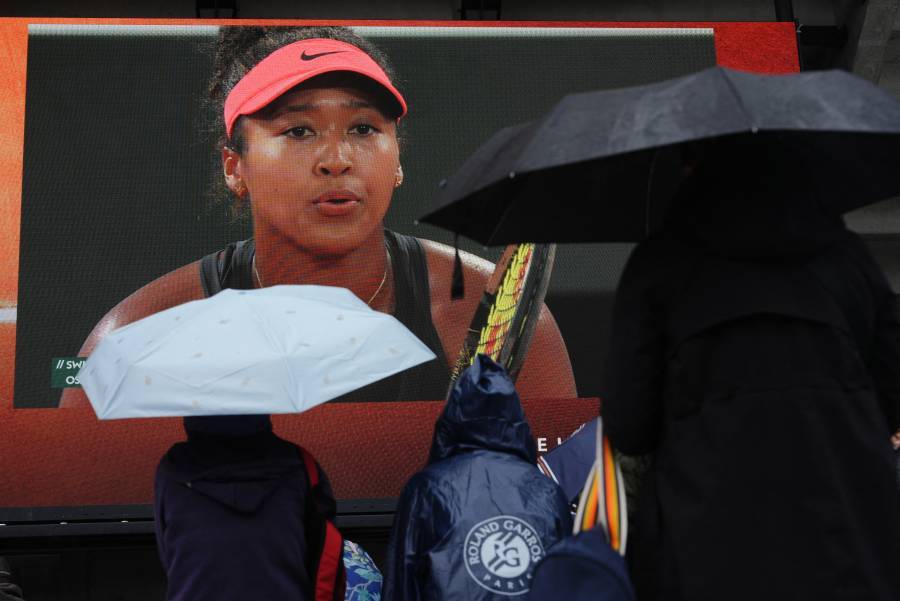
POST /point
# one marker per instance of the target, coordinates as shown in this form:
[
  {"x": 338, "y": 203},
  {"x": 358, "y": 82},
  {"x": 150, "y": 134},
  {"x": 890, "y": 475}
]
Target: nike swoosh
[{"x": 310, "y": 57}]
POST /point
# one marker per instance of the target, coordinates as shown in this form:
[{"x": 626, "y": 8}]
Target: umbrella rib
[
  {"x": 647, "y": 196},
  {"x": 740, "y": 102},
  {"x": 503, "y": 216}
]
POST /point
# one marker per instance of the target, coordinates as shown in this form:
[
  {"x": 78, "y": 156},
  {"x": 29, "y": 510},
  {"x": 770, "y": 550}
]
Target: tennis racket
[{"x": 509, "y": 308}]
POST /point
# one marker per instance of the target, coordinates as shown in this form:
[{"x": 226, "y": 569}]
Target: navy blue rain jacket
[{"x": 473, "y": 524}]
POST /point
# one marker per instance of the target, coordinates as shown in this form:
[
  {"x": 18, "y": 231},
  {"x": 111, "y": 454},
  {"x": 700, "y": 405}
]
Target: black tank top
[{"x": 233, "y": 268}]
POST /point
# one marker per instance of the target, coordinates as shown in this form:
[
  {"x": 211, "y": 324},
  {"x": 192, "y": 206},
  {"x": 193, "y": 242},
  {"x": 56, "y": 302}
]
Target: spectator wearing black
[
  {"x": 756, "y": 350},
  {"x": 236, "y": 518}
]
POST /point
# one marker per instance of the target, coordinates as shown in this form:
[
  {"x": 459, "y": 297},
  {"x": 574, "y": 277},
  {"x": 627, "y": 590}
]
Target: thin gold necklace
[{"x": 369, "y": 302}]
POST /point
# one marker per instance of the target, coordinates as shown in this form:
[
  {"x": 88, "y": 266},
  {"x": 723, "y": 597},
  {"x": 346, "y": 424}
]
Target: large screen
[{"x": 113, "y": 179}]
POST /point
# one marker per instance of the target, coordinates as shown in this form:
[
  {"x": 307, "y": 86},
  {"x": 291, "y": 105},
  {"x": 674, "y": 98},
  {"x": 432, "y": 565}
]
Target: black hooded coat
[
  {"x": 756, "y": 351},
  {"x": 231, "y": 513},
  {"x": 472, "y": 525}
]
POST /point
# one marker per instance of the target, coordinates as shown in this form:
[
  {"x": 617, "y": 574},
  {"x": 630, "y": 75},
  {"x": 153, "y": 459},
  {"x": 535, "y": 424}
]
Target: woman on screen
[{"x": 310, "y": 121}]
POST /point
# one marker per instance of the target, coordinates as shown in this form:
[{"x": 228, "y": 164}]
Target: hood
[
  {"x": 226, "y": 425},
  {"x": 743, "y": 202},
  {"x": 240, "y": 473},
  {"x": 242, "y": 487},
  {"x": 483, "y": 413}
]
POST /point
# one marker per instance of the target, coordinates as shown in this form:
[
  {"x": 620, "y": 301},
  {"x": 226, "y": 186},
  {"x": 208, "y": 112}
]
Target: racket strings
[{"x": 496, "y": 329}]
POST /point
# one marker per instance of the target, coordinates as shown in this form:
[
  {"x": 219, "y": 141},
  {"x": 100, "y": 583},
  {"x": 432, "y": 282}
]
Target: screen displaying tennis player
[
  {"x": 172, "y": 168},
  {"x": 161, "y": 163}
]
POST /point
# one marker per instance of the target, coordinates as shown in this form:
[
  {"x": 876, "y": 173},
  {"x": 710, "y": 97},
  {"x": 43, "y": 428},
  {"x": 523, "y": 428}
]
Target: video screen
[{"x": 123, "y": 193}]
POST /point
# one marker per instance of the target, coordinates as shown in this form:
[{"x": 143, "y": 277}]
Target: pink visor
[{"x": 294, "y": 64}]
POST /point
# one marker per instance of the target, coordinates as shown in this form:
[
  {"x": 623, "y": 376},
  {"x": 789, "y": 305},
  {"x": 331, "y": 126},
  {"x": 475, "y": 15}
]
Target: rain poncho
[{"x": 472, "y": 525}]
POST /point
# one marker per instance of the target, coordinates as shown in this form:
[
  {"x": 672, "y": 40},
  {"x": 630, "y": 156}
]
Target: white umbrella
[{"x": 282, "y": 349}]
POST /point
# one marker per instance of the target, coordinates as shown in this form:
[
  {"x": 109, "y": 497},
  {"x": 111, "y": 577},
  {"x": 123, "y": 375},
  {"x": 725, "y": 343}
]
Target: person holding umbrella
[
  {"x": 755, "y": 341},
  {"x": 309, "y": 120},
  {"x": 754, "y": 351},
  {"x": 241, "y": 513}
]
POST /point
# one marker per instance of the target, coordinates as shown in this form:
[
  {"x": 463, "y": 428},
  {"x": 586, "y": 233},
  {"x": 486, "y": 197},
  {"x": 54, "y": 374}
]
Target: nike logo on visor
[{"x": 310, "y": 57}]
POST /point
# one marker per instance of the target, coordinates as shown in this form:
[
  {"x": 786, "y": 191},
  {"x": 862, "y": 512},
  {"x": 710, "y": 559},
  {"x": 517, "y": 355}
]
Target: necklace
[
  {"x": 369, "y": 302},
  {"x": 383, "y": 280},
  {"x": 256, "y": 273}
]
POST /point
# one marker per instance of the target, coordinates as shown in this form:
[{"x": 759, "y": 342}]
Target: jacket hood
[
  {"x": 227, "y": 425},
  {"x": 240, "y": 473},
  {"x": 483, "y": 413},
  {"x": 743, "y": 201}
]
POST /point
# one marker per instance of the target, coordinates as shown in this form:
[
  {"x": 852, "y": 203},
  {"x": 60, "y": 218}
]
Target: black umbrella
[{"x": 602, "y": 166}]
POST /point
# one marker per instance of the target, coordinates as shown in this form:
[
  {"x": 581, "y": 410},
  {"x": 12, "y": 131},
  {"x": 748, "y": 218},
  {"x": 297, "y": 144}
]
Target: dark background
[{"x": 118, "y": 159}]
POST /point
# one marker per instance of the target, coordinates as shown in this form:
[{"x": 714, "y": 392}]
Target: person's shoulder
[
  {"x": 440, "y": 474},
  {"x": 665, "y": 244},
  {"x": 441, "y": 259},
  {"x": 424, "y": 484},
  {"x": 481, "y": 464},
  {"x": 663, "y": 255},
  {"x": 510, "y": 464},
  {"x": 487, "y": 469},
  {"x": 174, "y": 288},
  {"x": 167, "y": 466},
  {"x": 288, "y": 452}
]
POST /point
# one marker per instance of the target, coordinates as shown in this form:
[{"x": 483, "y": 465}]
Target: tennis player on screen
[{"x": 310, "y": 145}]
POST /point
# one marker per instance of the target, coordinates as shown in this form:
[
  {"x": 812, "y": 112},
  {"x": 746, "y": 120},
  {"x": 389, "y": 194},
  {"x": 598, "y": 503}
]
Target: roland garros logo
[{"x": 501, "y": 553}]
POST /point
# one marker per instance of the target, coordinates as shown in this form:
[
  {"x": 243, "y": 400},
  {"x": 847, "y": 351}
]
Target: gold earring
[{"x": 241, "y": 190}]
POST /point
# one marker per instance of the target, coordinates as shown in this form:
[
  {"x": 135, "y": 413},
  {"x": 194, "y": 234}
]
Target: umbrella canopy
[
  {"x": 602, "y": 166},
  {"x": 281, "y": 349}
]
